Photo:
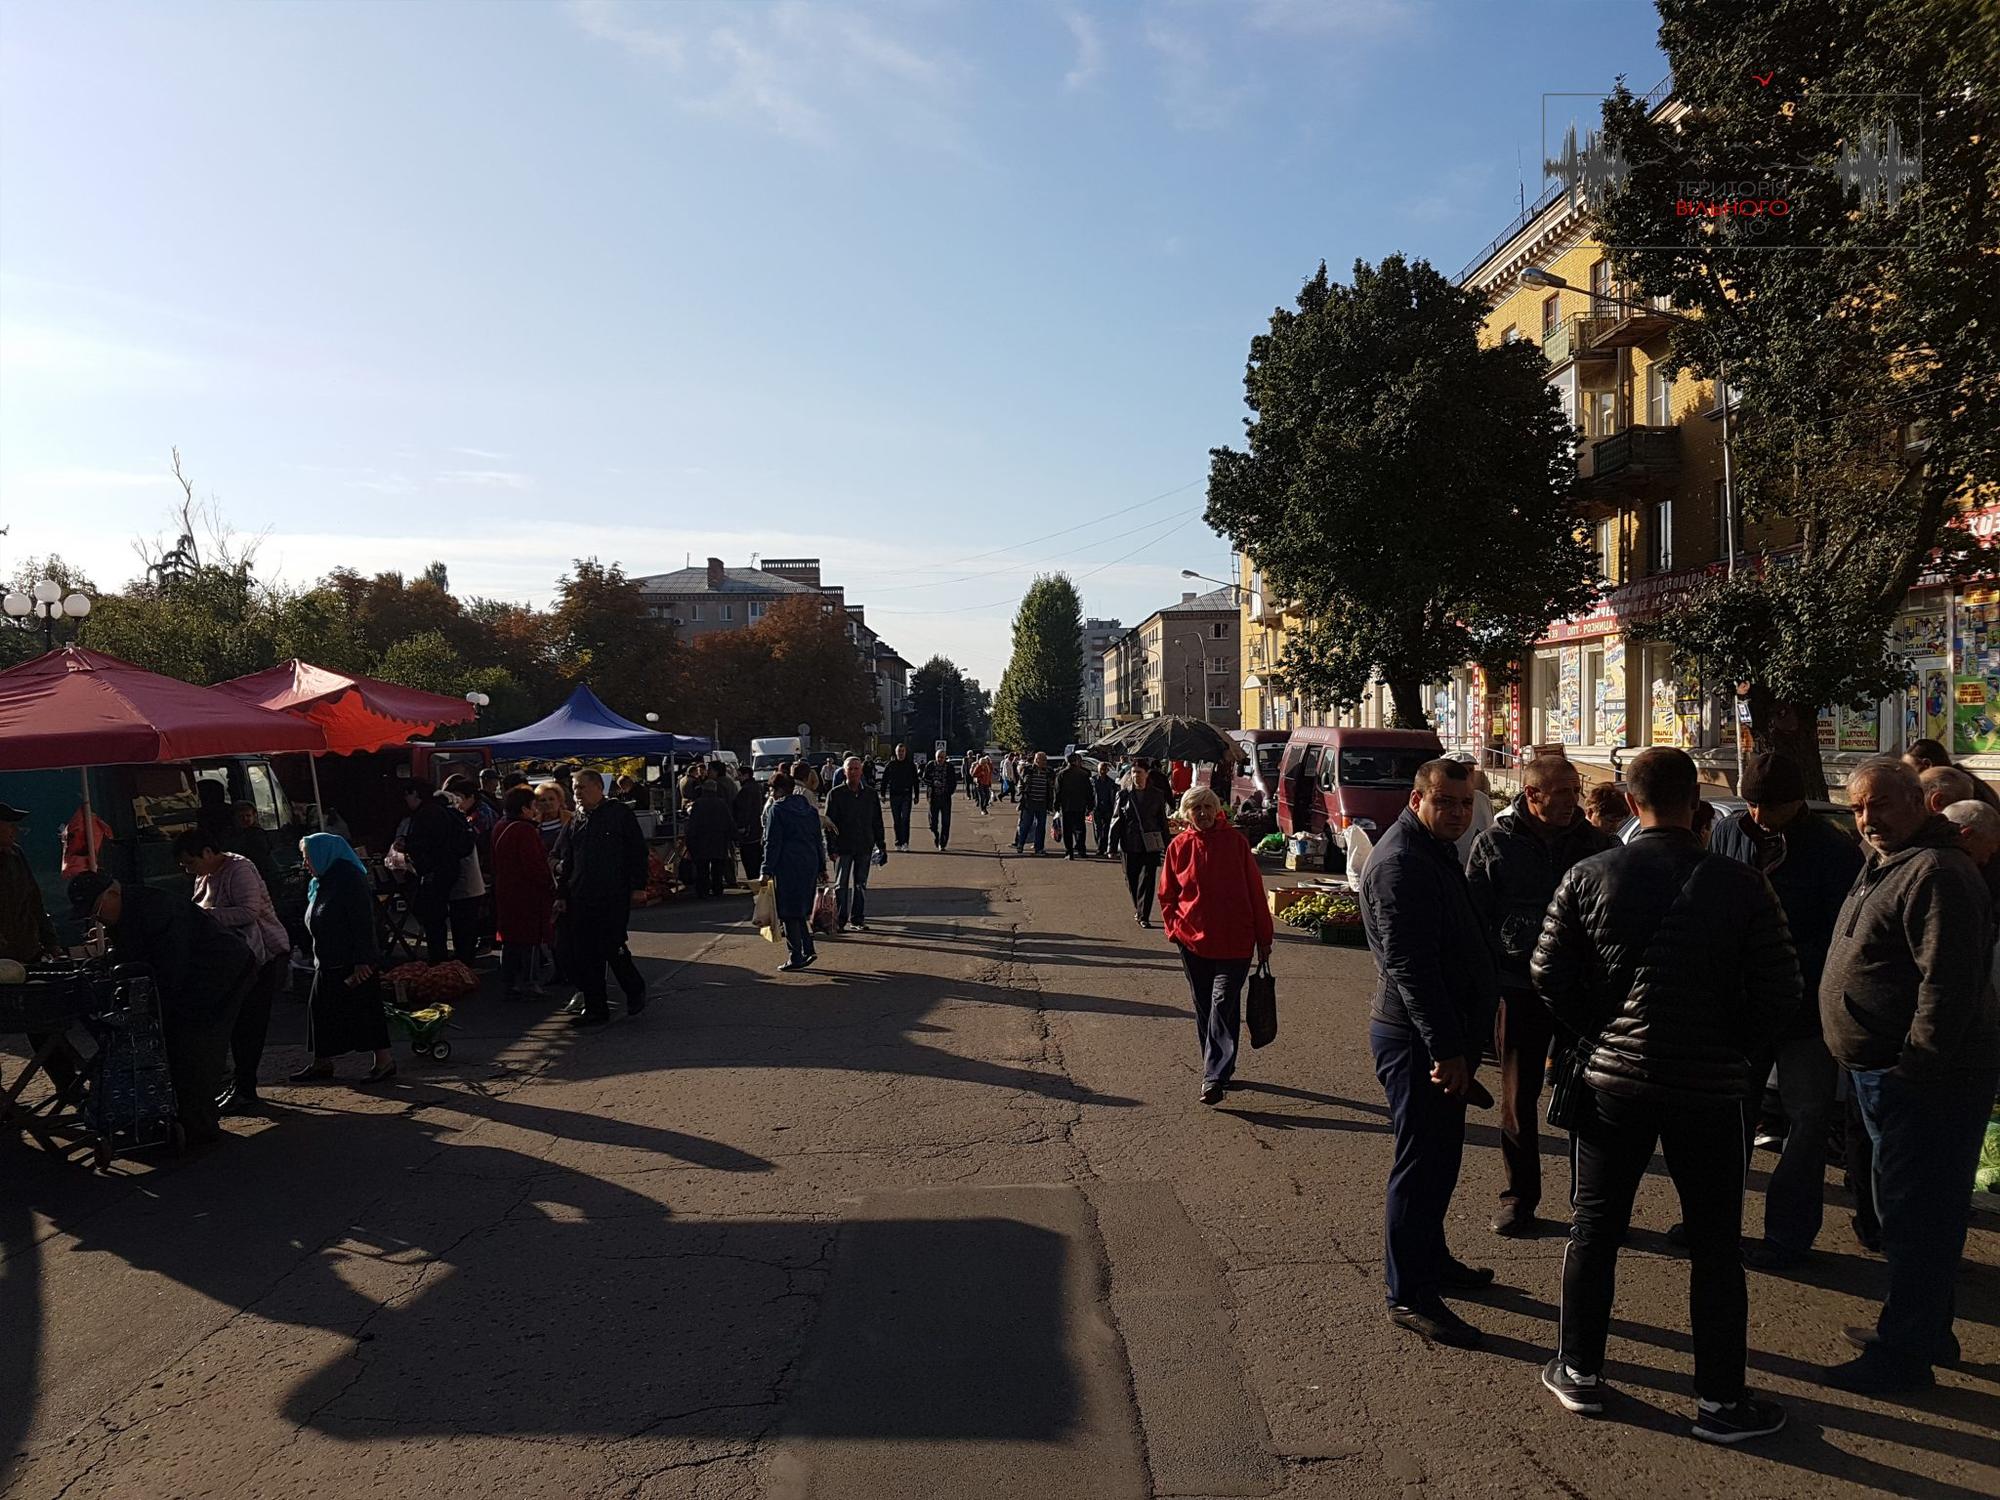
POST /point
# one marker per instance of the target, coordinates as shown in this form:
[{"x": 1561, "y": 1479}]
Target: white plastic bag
[
  {"x": 1359, "y": 847},
  {"x": 764, "y": 909}
]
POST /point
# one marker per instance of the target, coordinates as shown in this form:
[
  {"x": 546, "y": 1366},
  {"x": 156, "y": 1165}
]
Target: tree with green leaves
[
  {"x": 1860, "y": 327},
  {"x": 943, "y": 704},
  {"x": 1405, "y": 489},
  {"x": 1036, "y": 707},
  {"x": 603, "y": 632}
]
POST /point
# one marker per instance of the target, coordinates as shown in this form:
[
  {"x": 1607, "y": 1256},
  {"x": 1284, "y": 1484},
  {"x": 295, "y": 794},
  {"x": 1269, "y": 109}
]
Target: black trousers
[
  {"x": 433, "y": 913},
  {"x": 711, "y": 876},
  {"x": 197, "y": 1038},
  {"x": 941, "y": 821},
  {"x": 1427, "y": 1127},
  {"x": 253, "y": 1022},
  {"x": 1521, "y": 1037},
  {"x": 1142, "y": 879},
  {"x": 751, "y": 852},
  {"x": 1076, "y": 832},
  {"x": 1703, "y": 1146},
  {"x": 597, "y": 938},
  {"x": 899, "y": 815},
  {"x": 1103, "y": 833}
]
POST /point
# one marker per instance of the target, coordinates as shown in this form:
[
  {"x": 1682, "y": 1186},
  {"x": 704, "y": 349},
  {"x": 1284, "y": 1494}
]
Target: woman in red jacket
[
  {"x": 524, "y": 891},
  {"x": 1212, "y": 902}
]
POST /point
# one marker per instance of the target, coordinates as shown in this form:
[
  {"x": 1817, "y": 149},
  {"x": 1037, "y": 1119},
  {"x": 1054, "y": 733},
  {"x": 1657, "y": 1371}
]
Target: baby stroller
[{"x": 424, "y": 1026}]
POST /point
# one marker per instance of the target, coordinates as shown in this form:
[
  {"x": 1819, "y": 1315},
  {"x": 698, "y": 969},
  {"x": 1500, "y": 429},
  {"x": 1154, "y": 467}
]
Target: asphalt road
[{"x": 940, "y": 1217}]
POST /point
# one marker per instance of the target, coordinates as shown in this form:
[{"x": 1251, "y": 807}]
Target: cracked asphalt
[{"x": 939, "y": 1217}]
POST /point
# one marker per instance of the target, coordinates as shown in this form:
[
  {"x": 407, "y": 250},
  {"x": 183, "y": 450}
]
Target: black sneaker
[
  {"x": 1737, "y": 1422},
  {"x": 635, "y": 1004},
  {"x": 1437, "y": 1325},
  {"x": 1583, "y": 1396}
]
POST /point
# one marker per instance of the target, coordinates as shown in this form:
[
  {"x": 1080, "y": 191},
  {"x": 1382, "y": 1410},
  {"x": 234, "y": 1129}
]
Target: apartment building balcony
[
  {"x": 1577, "y": 338},
  {"x": 1624, "y": 327},
  {"x": 1633, "y": 456}
]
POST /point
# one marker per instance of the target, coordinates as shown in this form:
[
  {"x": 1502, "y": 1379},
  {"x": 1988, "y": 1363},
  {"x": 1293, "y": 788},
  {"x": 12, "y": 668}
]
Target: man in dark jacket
[
  {"x": 1035, "y": 790},
  {"x": 748, "y": 807},
  {"x": 856, "y": 816},
  {"x": 940, "y": 783},
  {"x": 1074, "y": 799},
  {"x": 1511, "y": 874},
  {"x": 437, "y": 842},
  {"x": 1670, "y": 967},
  {"x": 1907, "y": 1005},
  {"x": 1434, "y": 1005},
  {"x": 1104, "y": 797},
  {"x": 601, "y": 862},
  {"x": 899, "y": 780},
  {"x": 1810, "y": 864},
  {"x": 201, "y": 973},
  {"x": 710, "y": 834}
]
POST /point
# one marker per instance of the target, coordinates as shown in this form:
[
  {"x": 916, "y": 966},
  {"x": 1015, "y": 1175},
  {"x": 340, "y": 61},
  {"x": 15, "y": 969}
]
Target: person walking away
[
  {"x": 1811, "y": 866},
  {"x": 748, "y": 808},
  {"x": 940, "y": 782},
  {"x": 524, "y": 893},
  {"x": 1512, "y": 873},
  {"x": 899, "y": 780},
  {"x": 1438, "y": 992},
  {"x": 467, "y": 902},
  {"x": 1907, "y": 1004},
  {"x": 201, "y": 972},
  {"x": 436, "y": 844},
  {"x": 856, "y": 816},
  {"x": 1074, "y": 799},
  {"x": 795, "y": 862},
  {"x": 604, "y": 862},
  {"x": 1010, "y": 774},
  {"x": 711, "y": 836},
  {"x": 1035, "y": 790},
  {"x": 345, "y": 1012},
  {"x": 1671, "y": 966},
  {"x": 228, "y": 887},
  {"x": 1139, "y": 831},
  {"x": 982, "y": 783},
  {"x": 1213, "y": 907},
  {"x": 1104, "y": 803}
]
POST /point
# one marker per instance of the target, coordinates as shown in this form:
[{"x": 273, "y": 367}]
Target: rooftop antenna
[
  {"x": 753, "y": 560},
  {"x": 1521, "y": 182}
]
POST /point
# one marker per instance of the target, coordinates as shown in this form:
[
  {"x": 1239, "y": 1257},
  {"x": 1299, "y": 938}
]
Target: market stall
[{"x": 355, "y": 713}]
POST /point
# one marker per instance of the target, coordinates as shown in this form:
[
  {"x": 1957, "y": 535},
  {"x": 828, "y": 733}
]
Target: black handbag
[
  {"x": 1260, "y": 1008},
  {"x": 1569, "y": 1095}
]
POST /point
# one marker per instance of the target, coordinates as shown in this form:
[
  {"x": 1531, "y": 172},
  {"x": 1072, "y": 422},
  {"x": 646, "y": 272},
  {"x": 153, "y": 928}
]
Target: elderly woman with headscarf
[
  {"x": 345, "y": 1014},
  {"x": 1212, "y": 903}
]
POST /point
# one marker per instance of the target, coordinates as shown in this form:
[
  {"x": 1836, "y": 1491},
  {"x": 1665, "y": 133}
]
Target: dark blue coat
[
  {"x": 794, "y": 853},
  {"x": 1812, "y": 866},
  {"x": 1432, "y": 951}
]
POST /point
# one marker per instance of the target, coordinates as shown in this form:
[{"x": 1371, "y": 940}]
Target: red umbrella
[
  {"x": 74, "y": 707},
  {"x": 356, "y": 712}
]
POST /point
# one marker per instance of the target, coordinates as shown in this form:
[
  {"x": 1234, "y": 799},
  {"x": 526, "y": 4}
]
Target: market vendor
[
  {"x": 26, "y": 933},
  {"x": 201, "y": 974}
]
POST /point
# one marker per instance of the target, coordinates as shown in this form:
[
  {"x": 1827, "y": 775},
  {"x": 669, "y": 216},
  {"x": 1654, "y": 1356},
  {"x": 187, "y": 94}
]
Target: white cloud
[
  {"x": 801, "y": 71},
  {"x": 72, "y": 477},
  {"x": 485, "y": 453},
  {"x": 1349, "y": 18},
  {"x": 1193, "y": 100},
  {"x": 55, "y": 353},
  {"x": 486, "y": 479},
  {"x": 1089, "y": 51}
]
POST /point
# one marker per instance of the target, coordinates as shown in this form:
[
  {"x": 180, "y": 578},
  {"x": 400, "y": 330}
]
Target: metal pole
[
  {"x": 89, "y": 820},
  {"x": 319, "y": 802},
  {"x": 1728, "y": 468}
]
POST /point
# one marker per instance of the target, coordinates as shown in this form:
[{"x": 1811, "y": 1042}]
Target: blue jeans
[
  {"x": 1428, "y": 1127},
  {"x": 1216, "y": 987},
  {"x": 1033, "y": 820},
  {"x": 850, "y": 889},
  {"x": 1926, "y": 1136}
]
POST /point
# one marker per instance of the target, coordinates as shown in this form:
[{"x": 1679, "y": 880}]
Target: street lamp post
[
  {"x": 1538, "y": 277},
  {"x": 46, "y": 602}
]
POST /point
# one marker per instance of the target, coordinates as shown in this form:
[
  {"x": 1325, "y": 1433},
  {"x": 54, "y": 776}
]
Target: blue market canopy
[{"x": 584, "y": 726}]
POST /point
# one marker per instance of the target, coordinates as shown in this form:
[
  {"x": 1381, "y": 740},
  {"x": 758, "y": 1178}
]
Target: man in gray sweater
[{"x": 1907, "y": 1005}]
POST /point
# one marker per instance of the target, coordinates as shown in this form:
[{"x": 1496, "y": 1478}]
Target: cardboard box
[{"x": 1285, "y": 896}]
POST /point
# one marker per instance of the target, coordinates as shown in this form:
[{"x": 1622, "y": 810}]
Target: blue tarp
[{"x": 584, "y": 726}]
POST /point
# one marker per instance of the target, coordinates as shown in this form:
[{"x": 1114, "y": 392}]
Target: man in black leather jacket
[
  {"x": 1673, "y": 967},
  {"x": 601, "y": 861},
  {"x": 899, "y": 780},
  {"x": 1426, "y": 1028},
  {"x": 1512, "y": 873}
]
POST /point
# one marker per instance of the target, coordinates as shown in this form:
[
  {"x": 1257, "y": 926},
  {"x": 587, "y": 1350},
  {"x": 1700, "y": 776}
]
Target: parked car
[
  {"x": 1333, "y": 778},
  {"x": 1839, "y": 814},
  {"x": 1255, "y": 785}
]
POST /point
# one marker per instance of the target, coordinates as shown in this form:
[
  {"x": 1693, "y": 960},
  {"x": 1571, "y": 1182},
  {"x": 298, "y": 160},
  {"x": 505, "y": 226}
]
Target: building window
[
  {"x": 694, "y": 613},
  {"x": 1219, "y": 630},
  {"x": 1659, "y": 396},
  {"x": 1551, "y": 314},
  {"x": 1511, "y": 334},
  {"x": 728, "y": 612},
  {"x": 1218, "y": 698},
  {"x": 1601, "y": 305},
  {"x": 1600, "y": 413},
  {"x": 1607, "y": 548},
  {"x": 756, "y": 610},
  {"x": 1663, "y": 537},
  {"x": 1218, "y": 665}
]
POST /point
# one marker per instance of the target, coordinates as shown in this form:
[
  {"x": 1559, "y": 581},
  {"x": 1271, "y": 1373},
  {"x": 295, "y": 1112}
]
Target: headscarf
[{"x": 323, "y": 851}]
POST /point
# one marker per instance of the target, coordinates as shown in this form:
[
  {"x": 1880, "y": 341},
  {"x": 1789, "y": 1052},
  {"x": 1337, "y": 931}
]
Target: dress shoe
[
  {"x": 1436, "y": 1324},
  {"x": 1459, "y": 1277},
  {"x": 590, "y": 1018},
  {"x": 1514, "y": 1221},
  {"x": 1865, "y": 1339},
  {"x": 1872, "y": 1373}
]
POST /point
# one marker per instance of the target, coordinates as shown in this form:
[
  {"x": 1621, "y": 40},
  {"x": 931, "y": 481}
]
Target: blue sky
[{"x": 894, "y": 284}]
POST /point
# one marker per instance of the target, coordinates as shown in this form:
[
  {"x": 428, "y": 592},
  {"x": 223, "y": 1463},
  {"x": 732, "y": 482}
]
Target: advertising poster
[
  {"x": 1976, "y": 685},
  {"x": 1829, "y": 729},
  {"x": 1861, "y": 729},
  {"x": 1610, "y": 704},
  {"x": 1567, "y": 720}
]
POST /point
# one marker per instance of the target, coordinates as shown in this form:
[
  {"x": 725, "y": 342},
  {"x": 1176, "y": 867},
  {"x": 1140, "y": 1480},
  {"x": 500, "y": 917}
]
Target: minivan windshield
[
  {"x": 1381, "y": 765},
  {"x": 1268, "y": 758},
  {"x": 768, "y": 762}
]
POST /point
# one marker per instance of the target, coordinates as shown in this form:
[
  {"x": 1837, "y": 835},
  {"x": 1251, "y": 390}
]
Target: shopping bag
[
  {"x": 1568, "y": 1093},
  {"x": 764, "y": 908},
  {"x": 823, "y": 910},
  {"x": 1055, "y": 826},
  {"x": 1261, "y": 1006}
]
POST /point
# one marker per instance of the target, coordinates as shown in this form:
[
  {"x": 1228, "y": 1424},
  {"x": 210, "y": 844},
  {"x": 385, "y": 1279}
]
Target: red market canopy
[
  {"x": 74, "y": 707},
  {"x": 355, "y": 712}
]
